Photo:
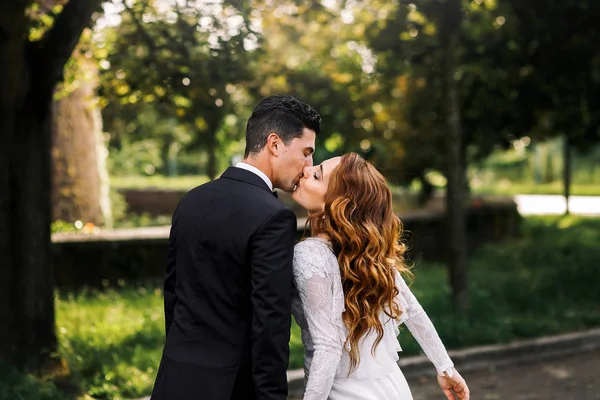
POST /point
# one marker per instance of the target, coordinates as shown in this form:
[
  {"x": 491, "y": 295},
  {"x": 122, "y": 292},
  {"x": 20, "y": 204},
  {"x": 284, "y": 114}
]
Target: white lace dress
[{"x": 318, "y": 305}]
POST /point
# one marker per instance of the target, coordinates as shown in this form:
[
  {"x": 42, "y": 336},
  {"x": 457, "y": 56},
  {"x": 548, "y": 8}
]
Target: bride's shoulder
[
  {"x": 312, "y": 245},
  {"x": 314, "y": 254}
]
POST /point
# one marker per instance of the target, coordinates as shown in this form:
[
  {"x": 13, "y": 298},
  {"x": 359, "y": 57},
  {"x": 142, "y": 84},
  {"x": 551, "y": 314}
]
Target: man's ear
[{"x": 274, "y": 144}]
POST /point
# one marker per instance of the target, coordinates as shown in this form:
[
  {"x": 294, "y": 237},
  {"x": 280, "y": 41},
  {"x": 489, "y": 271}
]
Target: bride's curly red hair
[{"x": 365, "y": 235}]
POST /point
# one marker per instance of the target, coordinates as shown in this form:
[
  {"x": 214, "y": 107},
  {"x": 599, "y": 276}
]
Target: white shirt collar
[{"x": 257, "y": 171}]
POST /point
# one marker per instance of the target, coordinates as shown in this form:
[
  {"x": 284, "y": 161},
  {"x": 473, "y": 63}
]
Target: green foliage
[
  {"x": 62, "y": 226},
  {"x": 173, "y": 76},
  {"x": 559, "y": 88},
  {"x": 310, "y": 52},
  {"x": 536, "y": 169},
  {"x": 543, "y": 283},
  {"x": 142, "y": 220},
  {"x": 118, "y": 204},
  {"x": 374, "y": 71},
  {"x": 415, "y": 69},
  {"x": 140, "y": 157},
  {"x": 41, "y": 17},
  {"x": 81, "y": 66}
]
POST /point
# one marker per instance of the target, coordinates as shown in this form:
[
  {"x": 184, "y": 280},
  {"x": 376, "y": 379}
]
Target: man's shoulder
[
  {"x": 244, "y": 194},
  {"x": 203, "y": 187}
]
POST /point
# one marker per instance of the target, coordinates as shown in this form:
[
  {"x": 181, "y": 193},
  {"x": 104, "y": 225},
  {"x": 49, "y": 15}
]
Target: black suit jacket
[{"x": 228, "y": 293}]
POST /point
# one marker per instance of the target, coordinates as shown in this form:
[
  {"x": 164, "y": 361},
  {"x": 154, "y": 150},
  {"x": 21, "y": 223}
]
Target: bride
[{"x": 351, "y": 297}]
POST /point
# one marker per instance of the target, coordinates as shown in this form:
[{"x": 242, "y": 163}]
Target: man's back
[
  {"x": 229, "y": 258},
  {"x": 228, "y": 285}
]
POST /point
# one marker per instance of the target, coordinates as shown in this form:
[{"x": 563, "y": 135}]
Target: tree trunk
[
  {"x": 427, "y": 189},
  {"x": 567, "y": 172},
  {"x": 464, "y": 160},
  {"x": 549, "y": 178},
  {"x": 164, "y": 155},
  {"x": 33, "y": 284},
  {"x": 12, "y": 73},
  {"x": 169, "y": 150},
  {"x": 457, "y": 261},
  {"x": 28, "y": 74},
  {"x": 537, "y": 164},
  {"x": 211, "y": 168},
  {"x": 211, "y": 144},
  {"x": 76, "y": 154},
  {"x": 27, "y": 332}
]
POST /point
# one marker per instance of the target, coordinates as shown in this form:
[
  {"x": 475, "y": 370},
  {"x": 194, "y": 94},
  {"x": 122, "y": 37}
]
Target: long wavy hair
[{"x": 365, "y": 235}]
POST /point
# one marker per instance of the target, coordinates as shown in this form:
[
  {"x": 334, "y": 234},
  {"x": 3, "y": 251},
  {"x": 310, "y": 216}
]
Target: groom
[{"x": 229, "y": 267}]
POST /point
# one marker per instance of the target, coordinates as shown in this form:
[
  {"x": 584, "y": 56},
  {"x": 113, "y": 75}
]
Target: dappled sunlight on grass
[
  {"x": 112, "y": 340},
  {"x": 567, "y": 222}
]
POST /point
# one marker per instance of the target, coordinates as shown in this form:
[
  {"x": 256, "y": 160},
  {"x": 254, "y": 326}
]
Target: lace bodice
[{"x": 318, "y": 305}]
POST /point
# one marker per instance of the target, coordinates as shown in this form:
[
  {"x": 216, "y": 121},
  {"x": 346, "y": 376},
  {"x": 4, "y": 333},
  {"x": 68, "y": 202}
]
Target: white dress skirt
[{"x": 390, "y": 386}]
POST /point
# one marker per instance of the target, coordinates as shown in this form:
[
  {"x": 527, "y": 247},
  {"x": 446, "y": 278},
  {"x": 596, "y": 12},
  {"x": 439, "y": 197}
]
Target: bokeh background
[{"x": 484, "y": 115}]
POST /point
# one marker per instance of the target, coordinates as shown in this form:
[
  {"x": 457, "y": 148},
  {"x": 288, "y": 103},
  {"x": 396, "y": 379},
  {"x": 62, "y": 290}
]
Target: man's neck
[{"x": 261, "y": 164}]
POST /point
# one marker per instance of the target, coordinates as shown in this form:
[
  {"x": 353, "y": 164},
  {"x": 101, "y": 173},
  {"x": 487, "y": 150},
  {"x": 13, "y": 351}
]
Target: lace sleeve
[
  {"x": 315, "y": 288},
  {"x": 422, "y": 329}
]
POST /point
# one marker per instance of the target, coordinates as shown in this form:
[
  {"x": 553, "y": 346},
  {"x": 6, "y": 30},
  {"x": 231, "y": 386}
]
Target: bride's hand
[{"x": 455, "y": 384}]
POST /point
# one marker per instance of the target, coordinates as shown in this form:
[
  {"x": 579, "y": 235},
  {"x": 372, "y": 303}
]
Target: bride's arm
[
  {"x": 422, "y": 329},
  {"x": 316, "y": 293},
  {"x": 424, "y": 332}
]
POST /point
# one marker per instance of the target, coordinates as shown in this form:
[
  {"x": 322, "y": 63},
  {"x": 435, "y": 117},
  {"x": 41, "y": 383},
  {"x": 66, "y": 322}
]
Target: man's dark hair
[{"x": 281, "y": 114}]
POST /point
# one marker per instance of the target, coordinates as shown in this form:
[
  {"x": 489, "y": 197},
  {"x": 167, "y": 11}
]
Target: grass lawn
[
  {"x": 185, "y": 182},
  {"x": 111, "y": 340},
  {"x": 512, "y": 188},
  {"x": 542, "y": 283},
  {"x": 502, "y": 186}
]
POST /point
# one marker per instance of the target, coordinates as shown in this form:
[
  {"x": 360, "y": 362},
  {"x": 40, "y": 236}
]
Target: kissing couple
[{"x": 235, "y": 275}]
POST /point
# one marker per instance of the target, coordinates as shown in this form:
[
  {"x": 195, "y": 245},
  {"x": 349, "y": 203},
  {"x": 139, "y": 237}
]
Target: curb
[{"x": 488, "y": 357}]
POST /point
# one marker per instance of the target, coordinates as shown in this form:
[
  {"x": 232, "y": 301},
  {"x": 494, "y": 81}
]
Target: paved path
[
  {"x": 572, "y": 378},
  {"x": 545, "y": 204}
]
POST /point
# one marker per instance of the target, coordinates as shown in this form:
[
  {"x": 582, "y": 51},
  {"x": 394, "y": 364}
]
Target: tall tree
[
  {"x": 449, "y": 25},
  {"x": 79, "y": 184},
  {"x": 428, "y": 34},
  {"x": 318, "y": 52},
  {"x": 561, "y": 72},
  {"x": 409, "y": 48},
  {"x": 29, "y": 72},
  {"x": 186, "y": 61}
]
